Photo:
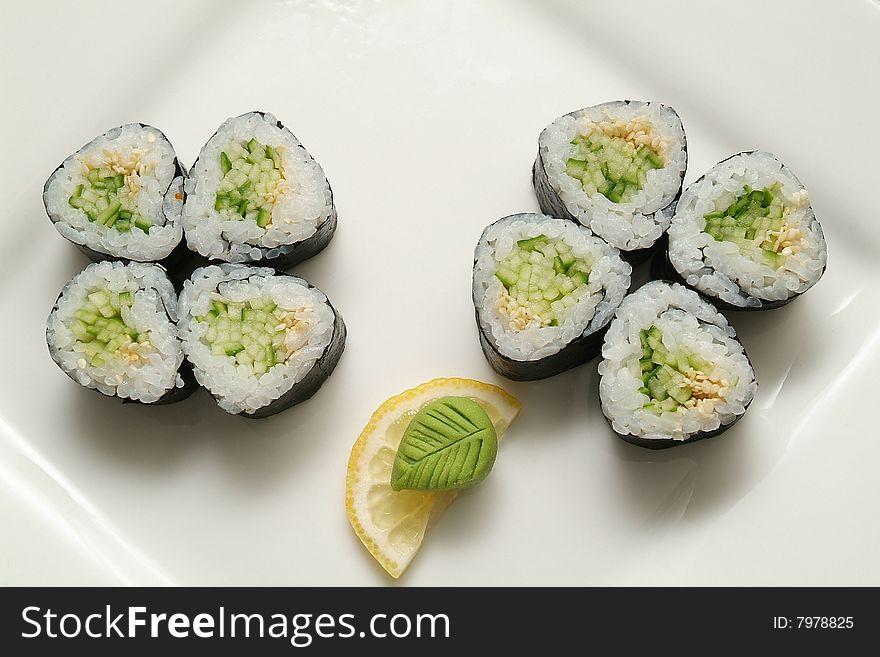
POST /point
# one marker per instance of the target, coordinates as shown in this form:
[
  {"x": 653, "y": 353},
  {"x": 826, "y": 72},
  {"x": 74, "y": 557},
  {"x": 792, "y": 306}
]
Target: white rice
[
  {"x": 295, "y": 216},
  {"x": 640, "y": 222},
  {"x": 717, "y": 268},
  {"x": 153, "y": 310},
  {"x": 158, "y": 200},
  {"x": 608, "y": 282},
  {"x": 236, "y": 388},
  {"x": 686, "y": 321}
]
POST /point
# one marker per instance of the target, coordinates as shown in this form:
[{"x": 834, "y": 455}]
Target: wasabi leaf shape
[{"x": 450, "y": 444}]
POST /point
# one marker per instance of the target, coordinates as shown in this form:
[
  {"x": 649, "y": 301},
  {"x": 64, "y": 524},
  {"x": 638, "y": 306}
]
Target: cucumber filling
[
  {"x": 614, "y": 158},
  {"x": 109, "y": 192},
  {"x": 256, "y": 335},
  {"x": 542, "y": 280},
  {"x": 103, "y": 331},
  {"x": 676, "y": 381},
  {"x": 755, "y": 220},
  {"x": 253, "y": 180}
]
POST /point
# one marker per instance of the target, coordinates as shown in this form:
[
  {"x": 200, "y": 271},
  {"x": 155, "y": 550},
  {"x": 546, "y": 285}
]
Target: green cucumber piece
[
  {"x": 576, "y": 168},
  {"x": 738, "y": 207},
  {"x": 142, "y": 222},
  {"x": 508, "y": 278},
  {"x": 643, "y": 338},
  {"x": 108, "y": 216},
  {"x": 578, "y": 278},
  {"x": 532, "y": 243},
  {"x": 658, "y": 389},
  {"x": 77, "y": 202},
  {"x": 653, "y": 159},
  {"x": 680, "y": 394},
  {"x": 263, "y": 218}
]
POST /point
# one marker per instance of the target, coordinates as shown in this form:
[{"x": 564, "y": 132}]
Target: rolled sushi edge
[
  {"x": 184, "y": 384},
  {"x": 168, "y": 256},
  {"x": 663, "y": 267},
  {"x": 283, "y": 256},
  {"x": 551, "y": 203},
  {"x": 313, "y": 370},
  {"x": 584, "y": 346},
  {"x": 701, "y": 309}
]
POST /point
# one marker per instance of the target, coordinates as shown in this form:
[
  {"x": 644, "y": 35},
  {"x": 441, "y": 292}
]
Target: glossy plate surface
[{"x": 425, "y": 116}]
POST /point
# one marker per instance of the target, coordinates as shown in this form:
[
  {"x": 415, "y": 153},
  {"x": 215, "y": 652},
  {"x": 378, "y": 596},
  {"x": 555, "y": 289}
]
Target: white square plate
[{"x": 425, "y": 116}]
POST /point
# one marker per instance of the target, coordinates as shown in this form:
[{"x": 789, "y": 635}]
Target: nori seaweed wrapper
[{"x": 577, "y": 352}]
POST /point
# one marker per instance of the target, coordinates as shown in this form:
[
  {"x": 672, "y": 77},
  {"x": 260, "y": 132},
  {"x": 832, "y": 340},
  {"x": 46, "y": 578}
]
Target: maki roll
[
  {"x": 617, "y": 168},
  {"x": 744, "y": 235},
  {"x": 673, "y": 370},
  {"x": 255, "y": 195},
  {"x": 112, "y": 329},
  {"x": 120, "y": 197},
  {"x": 259, "y": 340},
  {"x": 544, "y": 290}
]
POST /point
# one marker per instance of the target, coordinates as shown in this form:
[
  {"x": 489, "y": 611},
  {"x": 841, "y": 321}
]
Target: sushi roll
[
  {"x": 112, "y": 329},
  {"x": 255, "y": 195},
  {"x": 120, "y": 197},
  {"x": 673, "y": 370},
  {"x": 616, "y": 168},
  {"x": 744, "y": 235},
  {"x": 259, "y": 340},
  {"x": 544, "y": 290}
]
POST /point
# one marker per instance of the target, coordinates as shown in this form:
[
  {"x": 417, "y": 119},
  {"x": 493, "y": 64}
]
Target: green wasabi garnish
[{"x": 448, "y": 445}]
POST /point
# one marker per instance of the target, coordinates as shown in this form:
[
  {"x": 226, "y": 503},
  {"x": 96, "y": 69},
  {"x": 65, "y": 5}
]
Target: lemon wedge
[{"x": 392, "y": 524}]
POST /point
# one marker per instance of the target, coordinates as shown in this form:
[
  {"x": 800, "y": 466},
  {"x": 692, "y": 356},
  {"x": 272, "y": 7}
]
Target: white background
[{"x": 425, "y": 116}]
